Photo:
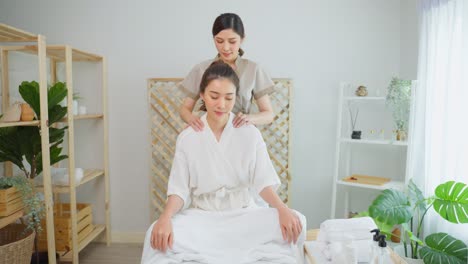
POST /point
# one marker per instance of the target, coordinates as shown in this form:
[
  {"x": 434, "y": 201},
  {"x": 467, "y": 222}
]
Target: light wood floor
[{"x": 99, "y": 253}]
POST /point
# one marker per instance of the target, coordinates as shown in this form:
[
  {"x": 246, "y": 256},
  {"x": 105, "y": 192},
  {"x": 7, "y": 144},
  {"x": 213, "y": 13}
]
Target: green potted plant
[
  {"x": 22, "y": 144},
  {"x": 408, "y": 209},
  {"x": 398, "y": 100}
]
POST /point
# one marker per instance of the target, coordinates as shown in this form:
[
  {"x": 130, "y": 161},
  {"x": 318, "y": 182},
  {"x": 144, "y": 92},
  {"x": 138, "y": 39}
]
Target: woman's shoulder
[
  {"x": 249, "y": 132},
  {"x": 185, "y": 136}
]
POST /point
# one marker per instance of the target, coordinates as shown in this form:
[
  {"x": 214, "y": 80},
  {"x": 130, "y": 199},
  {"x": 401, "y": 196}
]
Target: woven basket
[{"x": 16, "y": 246}]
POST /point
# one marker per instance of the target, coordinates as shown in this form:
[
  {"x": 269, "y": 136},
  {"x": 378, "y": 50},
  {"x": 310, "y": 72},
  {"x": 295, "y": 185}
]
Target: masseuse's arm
[
  {"x": 162, "y": 236},
  {"x": 264, "y": 116},
  {"x": 290, "y": 224}
]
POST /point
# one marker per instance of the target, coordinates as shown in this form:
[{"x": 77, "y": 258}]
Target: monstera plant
[{"x": 408, "y": 209}]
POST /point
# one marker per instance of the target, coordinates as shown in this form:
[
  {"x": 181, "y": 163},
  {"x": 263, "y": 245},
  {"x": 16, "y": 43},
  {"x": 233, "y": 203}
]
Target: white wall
[
  {"x": 409, "y": 39},
  {"x": 317, "y": 43}
]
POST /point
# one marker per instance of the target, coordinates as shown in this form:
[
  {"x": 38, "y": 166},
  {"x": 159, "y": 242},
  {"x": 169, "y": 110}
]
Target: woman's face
[
  {"x": 219, "y": 97},
  {"x": 228, "y": 44}
]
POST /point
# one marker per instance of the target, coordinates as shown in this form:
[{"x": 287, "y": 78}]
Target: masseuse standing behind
[{"x": 228, "y": 35}]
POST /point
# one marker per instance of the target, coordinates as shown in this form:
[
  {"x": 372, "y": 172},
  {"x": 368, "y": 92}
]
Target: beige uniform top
[{"x": 254, "y": 82}]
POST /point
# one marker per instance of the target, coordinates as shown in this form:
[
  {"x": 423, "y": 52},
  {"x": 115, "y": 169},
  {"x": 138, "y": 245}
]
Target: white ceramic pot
[{"x": 401, "y": 252}]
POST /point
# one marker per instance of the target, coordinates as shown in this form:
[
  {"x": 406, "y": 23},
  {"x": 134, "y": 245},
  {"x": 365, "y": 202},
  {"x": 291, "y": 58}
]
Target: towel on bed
[{"x": 243, "y": 236}]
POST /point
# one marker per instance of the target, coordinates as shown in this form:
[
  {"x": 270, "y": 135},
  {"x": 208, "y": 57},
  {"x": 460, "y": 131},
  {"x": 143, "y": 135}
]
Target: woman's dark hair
[
  {"x": 218, "y": 70},
  {"x": 229, "y": 21}
]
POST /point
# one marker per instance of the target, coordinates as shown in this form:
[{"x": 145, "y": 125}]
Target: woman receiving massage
[{"x": 210, "y": 215}]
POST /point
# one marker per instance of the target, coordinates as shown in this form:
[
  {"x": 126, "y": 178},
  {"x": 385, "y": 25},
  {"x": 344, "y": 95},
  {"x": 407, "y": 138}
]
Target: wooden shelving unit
[
  {"x": 68, "y": 55},
  {"x": 11, "y": 35}
]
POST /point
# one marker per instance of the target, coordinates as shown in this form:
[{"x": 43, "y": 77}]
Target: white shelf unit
[
  {"x": 67, "y": 55},
  {"x": 348, "y": 163}
]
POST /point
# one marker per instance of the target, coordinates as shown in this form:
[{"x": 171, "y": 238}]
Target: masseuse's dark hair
[{"x": 229, "y": 21}]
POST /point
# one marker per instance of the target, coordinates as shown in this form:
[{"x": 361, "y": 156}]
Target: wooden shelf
[
  {"x": 399, "y": 185},
  {"x": 375, "y": 142},
  {"x": 83, "y": 117},
  {"x": 13, "y": 124},
  {"x": 11, "y": 34},
  {"x": 89, "y": 175},
  {"x": 68, "y": 256},
  {"x": 56, "y": 52},
  {"x": 4, "y": 221}
]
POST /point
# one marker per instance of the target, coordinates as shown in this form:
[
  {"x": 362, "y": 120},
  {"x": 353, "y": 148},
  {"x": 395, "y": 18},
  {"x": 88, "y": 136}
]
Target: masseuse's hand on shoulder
[
  {"x": 241, "y": 119},
  {"x": 196, "y": 123},
  {"x": 186, "y": 114}
]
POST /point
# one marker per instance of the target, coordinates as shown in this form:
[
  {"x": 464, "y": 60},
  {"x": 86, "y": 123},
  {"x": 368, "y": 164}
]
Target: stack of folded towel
[{"x": 346, "y": 240}]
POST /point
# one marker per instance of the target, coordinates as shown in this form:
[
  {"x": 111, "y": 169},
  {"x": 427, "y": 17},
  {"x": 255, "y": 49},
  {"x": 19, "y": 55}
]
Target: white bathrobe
[{"x": 219, "y": 183}]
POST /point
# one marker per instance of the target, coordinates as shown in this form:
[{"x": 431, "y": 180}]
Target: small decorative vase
[
  {"x": 27, "y": 113},
  {"x": 75, "y": 107},
  {"x": 356, "y": 135},
  {"x": 361, "y": 91},
  {"x": 400, "y": 135},
  {"x": 396, "y": 234}
]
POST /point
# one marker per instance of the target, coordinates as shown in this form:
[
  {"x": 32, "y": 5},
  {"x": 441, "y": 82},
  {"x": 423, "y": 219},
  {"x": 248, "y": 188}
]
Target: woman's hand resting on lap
[
  {"x": 162, "y": 236},
  {"x": 290, "y": 223}
]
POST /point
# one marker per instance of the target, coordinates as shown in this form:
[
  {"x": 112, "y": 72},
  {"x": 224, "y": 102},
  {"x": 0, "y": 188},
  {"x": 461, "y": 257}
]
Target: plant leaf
[
  {"x": 443, "y": 248},
  {"x": 416, "y": 197},
  {"x": 30, "y": 93},
  {"x": 56, "y": 113},
  {"x": 56, "y": 94},
  {"x": 10, "y": 146},
  {"x": 391, "y": 207},
  {"x": 451, "y": 201}
]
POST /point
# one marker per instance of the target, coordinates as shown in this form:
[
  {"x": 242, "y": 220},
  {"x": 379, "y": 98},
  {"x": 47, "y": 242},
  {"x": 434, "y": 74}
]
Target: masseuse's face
[
  {"x": 219, "y": 97},
  {"x": 228, "y": 44}
]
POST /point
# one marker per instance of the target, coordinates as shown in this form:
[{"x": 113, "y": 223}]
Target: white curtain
[{"x": 439, "y": 137}]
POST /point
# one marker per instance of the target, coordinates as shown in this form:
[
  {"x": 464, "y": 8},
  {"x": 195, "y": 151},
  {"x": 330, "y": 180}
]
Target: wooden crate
[
  {"x": 62, "y": 223},
  {"x": 10, "y": 201}
]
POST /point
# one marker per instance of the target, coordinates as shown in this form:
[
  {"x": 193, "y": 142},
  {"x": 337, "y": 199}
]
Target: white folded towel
[
  {"x": 334, "y": 230},
  {"x": 346, "y": 240}
]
